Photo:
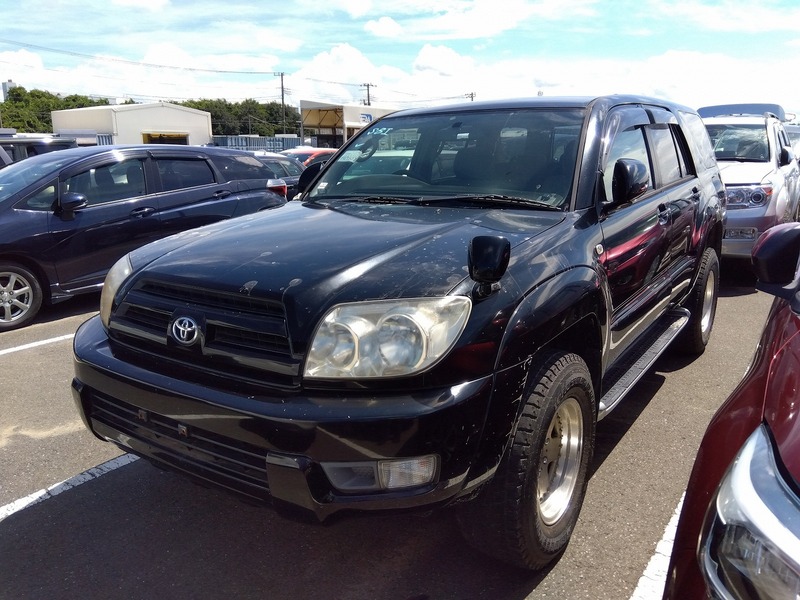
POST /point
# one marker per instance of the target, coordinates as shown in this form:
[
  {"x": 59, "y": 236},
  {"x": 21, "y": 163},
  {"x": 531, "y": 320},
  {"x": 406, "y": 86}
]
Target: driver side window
[{"x": 627, "y": 144}]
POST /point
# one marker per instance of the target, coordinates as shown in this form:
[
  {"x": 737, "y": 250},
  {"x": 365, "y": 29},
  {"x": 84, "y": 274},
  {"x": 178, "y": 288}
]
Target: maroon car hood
[{"x": 782, "y": 394}]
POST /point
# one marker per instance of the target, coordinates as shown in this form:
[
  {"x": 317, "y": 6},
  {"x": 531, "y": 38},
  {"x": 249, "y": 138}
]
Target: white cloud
[
  {"x": 149, "y": 5},
  {"x": 385, "y": 27}
]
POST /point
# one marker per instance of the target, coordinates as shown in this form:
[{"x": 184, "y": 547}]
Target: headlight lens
[
  {"x": 388, "y": 338},
  {"x": 749, "y": 195},
  {"x": 751, "y": 543},
  {"x": 116, "y": 276}
]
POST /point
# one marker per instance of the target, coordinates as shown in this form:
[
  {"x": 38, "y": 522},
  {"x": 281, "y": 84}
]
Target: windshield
[
  {"x": 527, "y": 155},
  {"x": 739, "y": 142},
  {"x": 19, "y": 175}
]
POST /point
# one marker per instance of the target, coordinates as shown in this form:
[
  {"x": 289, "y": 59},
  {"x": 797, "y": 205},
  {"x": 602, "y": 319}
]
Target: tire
[
  {"x": 20, "y": 296},
  {"x": 525, "y": 515},
  {"x": 702, "y": 304}
]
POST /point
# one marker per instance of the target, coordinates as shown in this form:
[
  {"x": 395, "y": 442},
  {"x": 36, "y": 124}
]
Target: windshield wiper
[
  {"x": 493, "y": 199},
  {"x": 369, "y": 199}
]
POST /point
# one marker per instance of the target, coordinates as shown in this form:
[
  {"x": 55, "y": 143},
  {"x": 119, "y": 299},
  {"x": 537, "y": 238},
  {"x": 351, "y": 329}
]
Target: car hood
[
  {"x": 310, "y": 256},
  {"x": 745, "y": 173},
  {"x": 782, "y": 393}
]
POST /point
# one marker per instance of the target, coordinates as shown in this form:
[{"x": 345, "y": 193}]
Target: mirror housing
[
  {"x": 787, "y": 155},
  {"x": 70, "y": 202},
  {"x": 307, "y": 176},
  {"x": 775, "y": 258},
  {"x": 630, "y": 181},
  {"x": 488, "y": 258}
]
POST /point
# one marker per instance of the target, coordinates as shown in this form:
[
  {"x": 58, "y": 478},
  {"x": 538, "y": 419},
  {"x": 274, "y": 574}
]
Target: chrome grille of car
[{"x": 242, "y": 337}]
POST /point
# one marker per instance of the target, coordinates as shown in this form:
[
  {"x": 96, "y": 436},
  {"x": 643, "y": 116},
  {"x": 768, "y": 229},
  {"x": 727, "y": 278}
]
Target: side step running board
[{"x": 638, "y": 359}]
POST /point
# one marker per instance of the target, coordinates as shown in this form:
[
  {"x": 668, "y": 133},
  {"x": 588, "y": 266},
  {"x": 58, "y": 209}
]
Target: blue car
[{"x": 67, "y": 216}]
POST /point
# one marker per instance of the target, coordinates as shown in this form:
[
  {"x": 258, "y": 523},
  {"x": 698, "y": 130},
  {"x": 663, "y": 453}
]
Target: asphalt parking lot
[{"x": 137, "y": 532}]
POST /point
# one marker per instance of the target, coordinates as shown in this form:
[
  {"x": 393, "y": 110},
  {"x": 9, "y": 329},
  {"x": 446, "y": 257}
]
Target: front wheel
[
  {"x": 20, "y": 296},
  {"x": 526, "y": 514}
]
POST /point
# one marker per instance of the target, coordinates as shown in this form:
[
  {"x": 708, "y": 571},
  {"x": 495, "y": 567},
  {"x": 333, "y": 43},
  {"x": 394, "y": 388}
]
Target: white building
[{"x": 152, "y": 123}]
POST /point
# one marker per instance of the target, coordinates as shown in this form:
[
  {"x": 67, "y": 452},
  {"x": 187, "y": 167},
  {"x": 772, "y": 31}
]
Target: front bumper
[
  {"x": 272, "y": 447},
  {"x": 757, "y": 220}
]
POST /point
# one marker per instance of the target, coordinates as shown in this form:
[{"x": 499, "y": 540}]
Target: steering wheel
[{"x": 368, "y": 149}]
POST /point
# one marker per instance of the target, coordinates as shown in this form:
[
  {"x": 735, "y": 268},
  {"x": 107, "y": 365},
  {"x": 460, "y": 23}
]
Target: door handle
[
  {"x": 663, "y": 214},
  {"x": 140, "y": 213},
  {"x": 222, "y": 194}
]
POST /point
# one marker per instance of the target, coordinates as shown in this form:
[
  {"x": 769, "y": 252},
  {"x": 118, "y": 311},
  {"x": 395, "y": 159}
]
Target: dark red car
[
  {"x": 739, "y": 532},
  {"x": 308, "y": 155}
]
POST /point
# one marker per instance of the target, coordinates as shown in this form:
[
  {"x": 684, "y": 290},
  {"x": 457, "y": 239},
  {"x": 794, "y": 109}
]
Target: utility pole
[
  {"x": 471, "y": 96},
  {"x": 368, "y": 85},
  {"x": 283, "y": 102}
]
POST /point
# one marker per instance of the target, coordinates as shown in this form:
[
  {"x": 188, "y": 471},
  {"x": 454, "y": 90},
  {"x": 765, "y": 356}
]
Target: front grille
[
  {"x": 243, "y": 337},
  {"x": 210, "y": 456}
]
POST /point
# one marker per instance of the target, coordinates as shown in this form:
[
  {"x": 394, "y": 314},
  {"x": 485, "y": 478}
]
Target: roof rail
[{"x": 760, "y": 110}]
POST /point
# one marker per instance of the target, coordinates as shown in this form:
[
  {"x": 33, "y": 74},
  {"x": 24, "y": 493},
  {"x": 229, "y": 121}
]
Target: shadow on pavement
[{"x": 138, "y": 532}]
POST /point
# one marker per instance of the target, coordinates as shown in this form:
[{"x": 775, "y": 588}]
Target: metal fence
[{"x": 248, "y": 142}]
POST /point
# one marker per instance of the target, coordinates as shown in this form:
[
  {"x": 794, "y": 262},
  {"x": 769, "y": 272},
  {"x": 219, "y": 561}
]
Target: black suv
[
  {"x": 444, "y": 333},
  {"x": 67, "y": 216}
]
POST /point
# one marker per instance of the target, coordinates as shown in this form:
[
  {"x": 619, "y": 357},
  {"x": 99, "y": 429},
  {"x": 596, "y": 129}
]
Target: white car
[{"x": 759, "y": 169}]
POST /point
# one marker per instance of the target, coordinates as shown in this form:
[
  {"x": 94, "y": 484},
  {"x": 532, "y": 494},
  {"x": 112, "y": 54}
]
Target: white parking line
[
  {"x": 652, "y": 581},
  {"x": 55, "y": 490},
  {"x": 35, "y": 344}
]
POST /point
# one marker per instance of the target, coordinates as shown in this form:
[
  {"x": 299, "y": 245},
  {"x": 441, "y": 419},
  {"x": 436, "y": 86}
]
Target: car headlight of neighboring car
[
  {"x": 386, "y": 338},
  {"x": 114, "y": 279},
  {"x": 750, "y": 547},
  {"x": 750, "y": 195}
]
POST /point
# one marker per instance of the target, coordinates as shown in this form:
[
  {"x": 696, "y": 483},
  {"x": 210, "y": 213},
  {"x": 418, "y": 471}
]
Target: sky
[{"x": 406, "y": 53}]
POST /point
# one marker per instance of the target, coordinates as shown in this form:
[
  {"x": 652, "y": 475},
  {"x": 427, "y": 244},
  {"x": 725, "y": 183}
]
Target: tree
[{"x": 29, "y": 112}]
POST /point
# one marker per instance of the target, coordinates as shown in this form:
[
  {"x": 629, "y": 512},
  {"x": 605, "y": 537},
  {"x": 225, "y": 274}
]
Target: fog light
[
  {"x": 741, "y": 233},
  {"x": 352, "y": 476},
  {"x": 369, "y": 476},
  {"x": 409, "y": 472}
]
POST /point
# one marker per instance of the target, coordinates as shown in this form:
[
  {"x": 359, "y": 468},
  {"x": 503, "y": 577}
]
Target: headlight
[
  {"x": 751, "y": 543},
  {"x": 749, "y": 195},
  {"x": 387, "y": 338},
  {"x": 116, "y": 276}
]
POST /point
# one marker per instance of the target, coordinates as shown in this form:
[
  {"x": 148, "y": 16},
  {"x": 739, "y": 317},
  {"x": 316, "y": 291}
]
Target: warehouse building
[{"x": 152, "y": 123}]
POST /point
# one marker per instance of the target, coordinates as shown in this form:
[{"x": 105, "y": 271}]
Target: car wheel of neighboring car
[
  {"x": 20, "y": 296},
  {"x": 526, "y": 514},
  {"x": 702, "y": 304}
]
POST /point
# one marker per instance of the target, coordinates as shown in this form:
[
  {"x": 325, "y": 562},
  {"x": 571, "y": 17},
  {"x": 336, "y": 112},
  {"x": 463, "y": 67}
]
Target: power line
[{"x": 131, "y": 62}]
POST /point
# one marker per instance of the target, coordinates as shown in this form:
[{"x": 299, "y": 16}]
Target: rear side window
[
  {"x": 668, "y": 155},
  {"x": 179, "y": 173},
  {"x": 235, "y": 167},
  {"x": 700, "y": 142}
]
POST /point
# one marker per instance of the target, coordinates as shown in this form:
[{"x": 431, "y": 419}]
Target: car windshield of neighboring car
[
  {"x": 739, "y": 142},
  {"x": 19, "y": 175},
  {"x": 479, "y": 157}
]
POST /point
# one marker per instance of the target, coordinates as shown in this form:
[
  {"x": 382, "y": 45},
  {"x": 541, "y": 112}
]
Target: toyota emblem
[{"x": 185, "y": 330}]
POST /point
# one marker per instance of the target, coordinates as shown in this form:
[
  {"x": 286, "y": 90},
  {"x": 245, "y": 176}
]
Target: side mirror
[
  {"x": 488, "y": 258},
  {"x": 70, "y": 202},
  {"x": 787, "y": 155},
  {"x": 630, "y": 181},
  {"x": 775, "y": 259},
  {"x": 307, "y": 176}
]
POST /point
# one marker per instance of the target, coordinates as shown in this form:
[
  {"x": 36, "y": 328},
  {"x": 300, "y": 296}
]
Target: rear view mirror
[
  {"x": 70, "y": 202},
  {"x": 631, "y": 180},
  {"x": 775, "y": 261},
  {"x": 307, "y": 176}
]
